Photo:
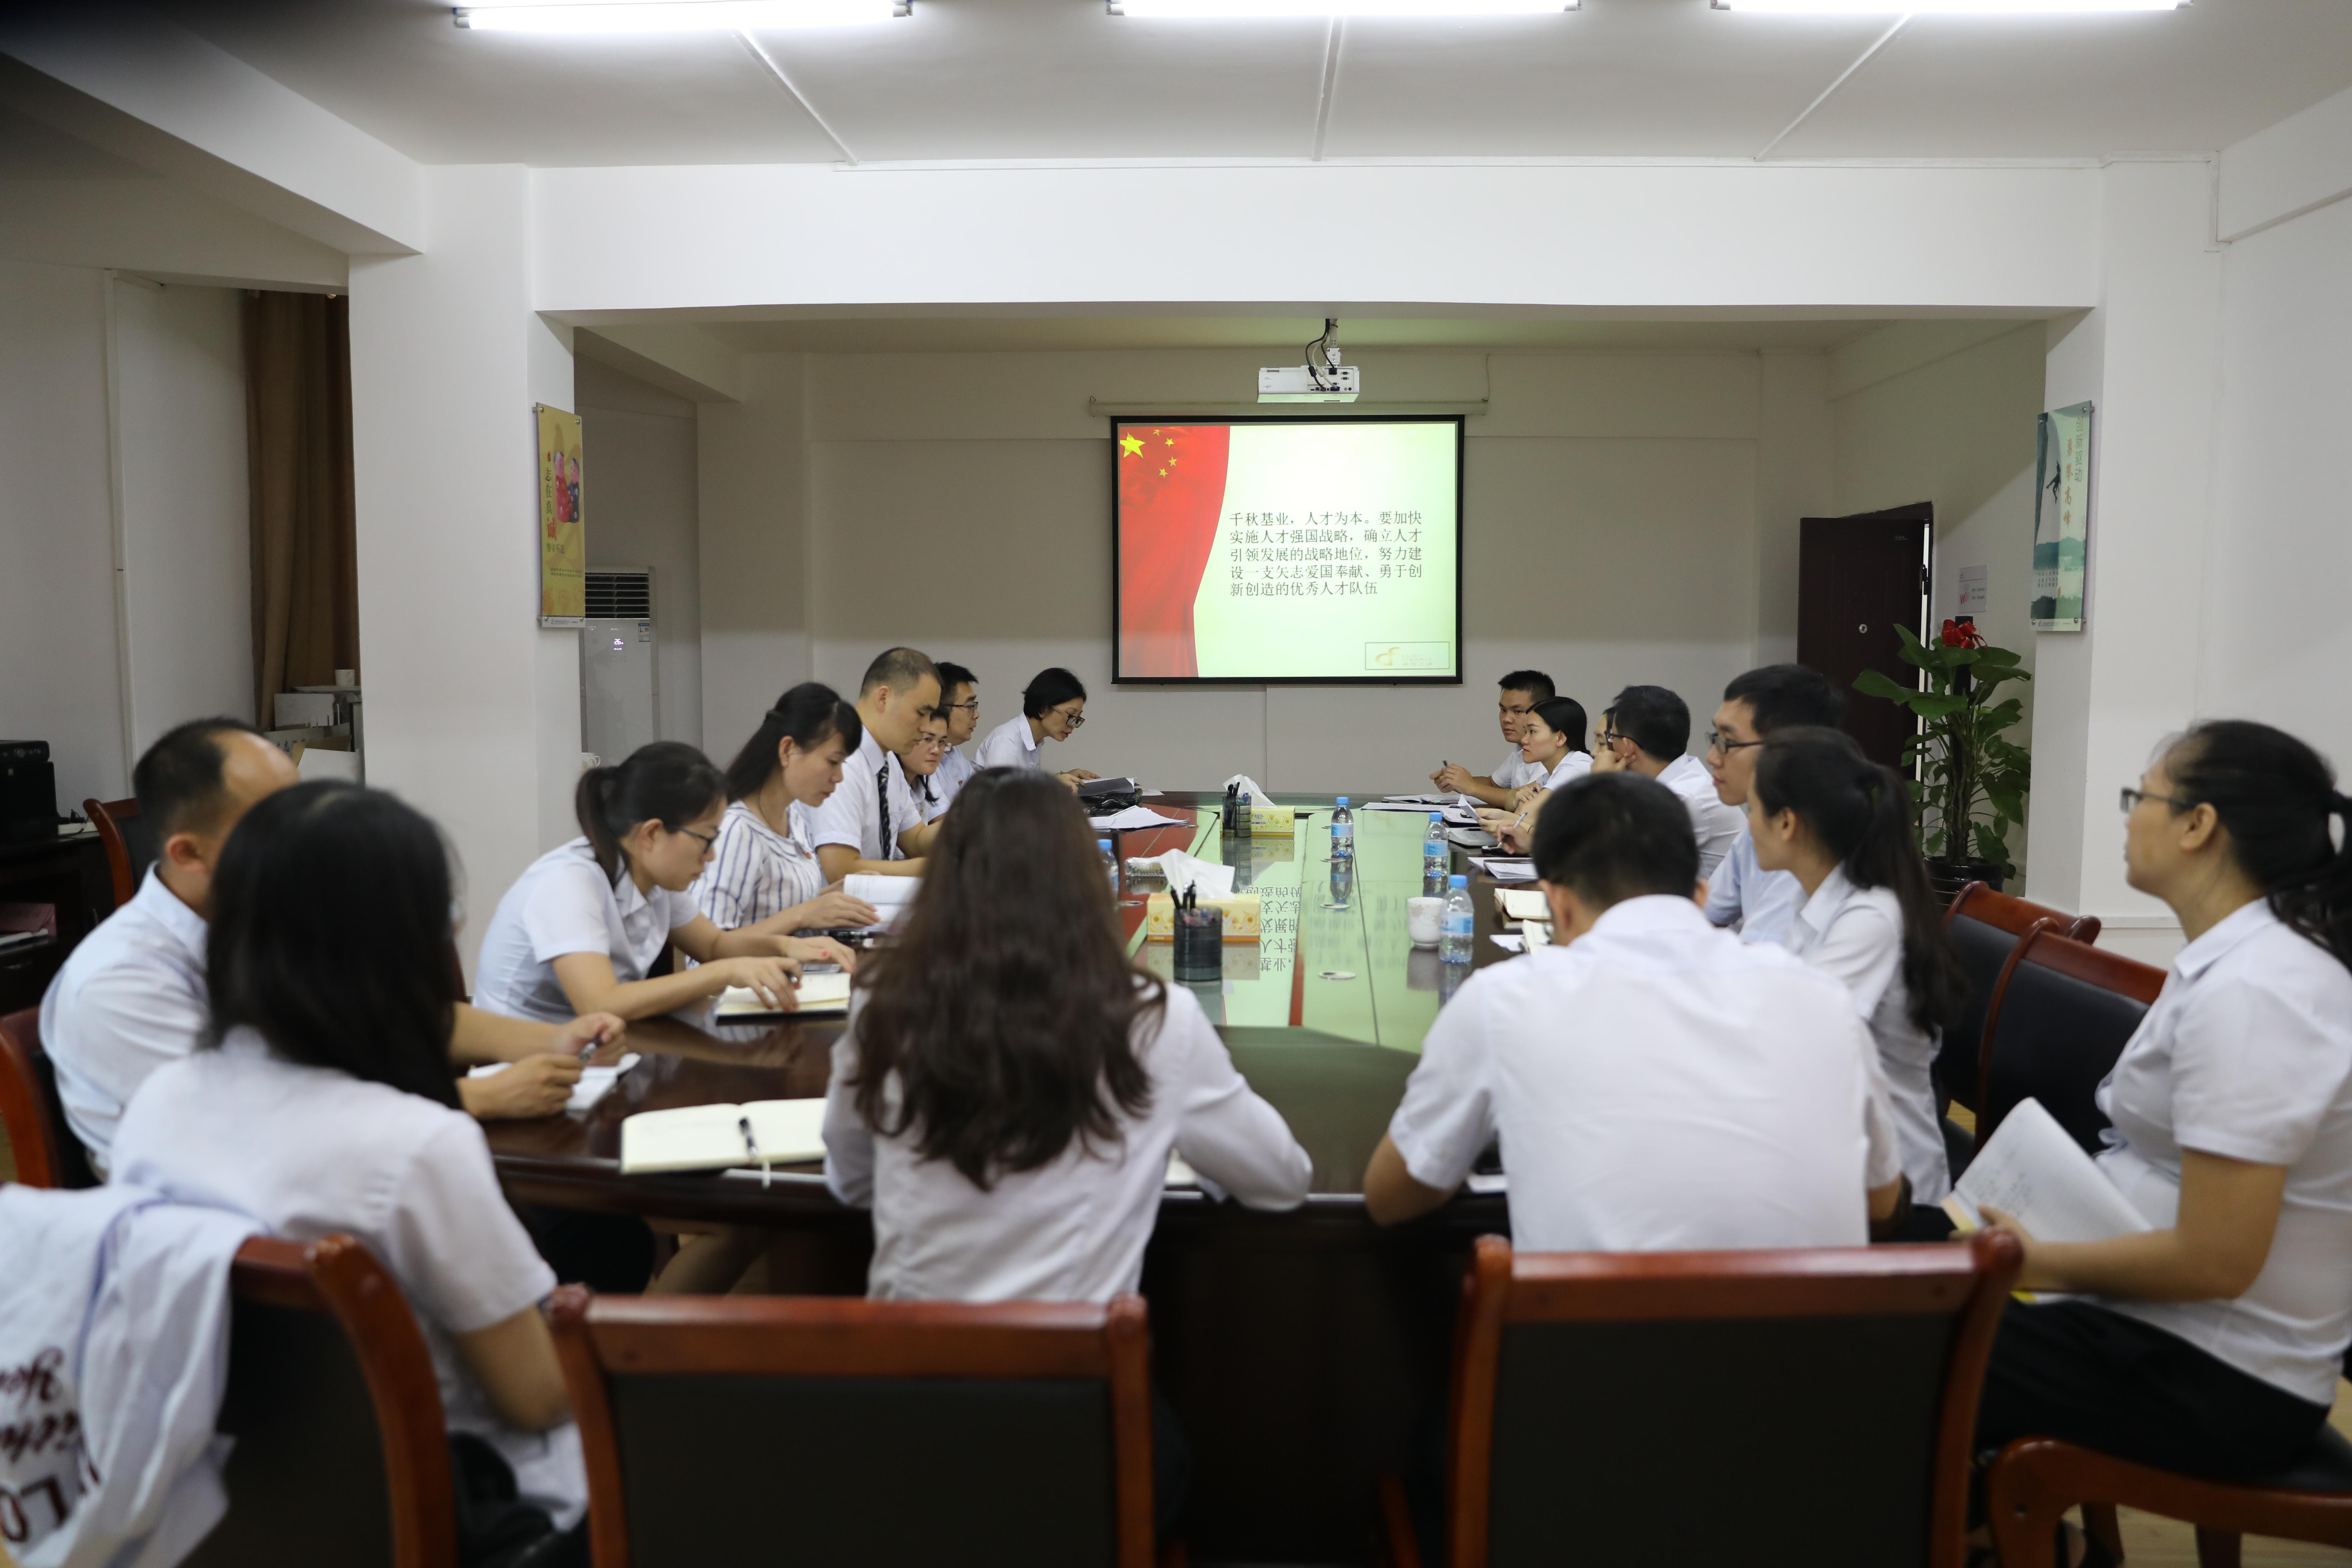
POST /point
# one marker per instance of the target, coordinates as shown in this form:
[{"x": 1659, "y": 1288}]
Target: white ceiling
[
  {"x": 1063, "y": 79},
  {"x": 1284, "y": 334}
]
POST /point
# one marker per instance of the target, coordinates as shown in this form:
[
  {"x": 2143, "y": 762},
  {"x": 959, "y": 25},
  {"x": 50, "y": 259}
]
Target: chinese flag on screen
[{"x": 1172, "y": 490}]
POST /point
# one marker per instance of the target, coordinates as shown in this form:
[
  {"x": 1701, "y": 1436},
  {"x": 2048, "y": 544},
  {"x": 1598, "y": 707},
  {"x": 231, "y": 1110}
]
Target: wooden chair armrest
[{"x": 1402, "y": 1548}]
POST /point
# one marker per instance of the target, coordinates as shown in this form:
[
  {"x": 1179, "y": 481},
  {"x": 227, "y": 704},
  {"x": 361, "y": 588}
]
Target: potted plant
[{"x": 1968, "y": 786}]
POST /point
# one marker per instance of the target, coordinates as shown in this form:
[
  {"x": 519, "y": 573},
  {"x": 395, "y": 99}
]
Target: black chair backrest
[
  {"x": 885, "y": 1472},
  {"x": 1984, "y": 950},
  {"x": 2063, "y": 1015}
]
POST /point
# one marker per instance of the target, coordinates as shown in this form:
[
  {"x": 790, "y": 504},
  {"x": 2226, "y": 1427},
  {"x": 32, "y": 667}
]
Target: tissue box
[
  {"x": 1239, "y": 910},
  {"x": 1271, "y": 820}
]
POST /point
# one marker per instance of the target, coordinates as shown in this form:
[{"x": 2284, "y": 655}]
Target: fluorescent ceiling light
[
  {"x": 1257, "y": 10},
  {"x": 675, "y": 15},
  {"x": 1946, "y": 8}
]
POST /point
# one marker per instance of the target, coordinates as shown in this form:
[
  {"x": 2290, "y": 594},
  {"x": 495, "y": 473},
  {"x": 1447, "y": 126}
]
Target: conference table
[{"x": 1300, "y": 1349}]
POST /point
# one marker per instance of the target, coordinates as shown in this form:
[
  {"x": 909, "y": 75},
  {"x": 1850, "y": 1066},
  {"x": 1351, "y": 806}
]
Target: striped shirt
[{"x": 755, "y": 871}]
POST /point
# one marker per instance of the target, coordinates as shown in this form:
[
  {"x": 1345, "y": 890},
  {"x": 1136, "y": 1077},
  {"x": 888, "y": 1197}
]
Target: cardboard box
[
  {"x": 1270, "y": 820},
  {"x": 1240, "y": 910}
]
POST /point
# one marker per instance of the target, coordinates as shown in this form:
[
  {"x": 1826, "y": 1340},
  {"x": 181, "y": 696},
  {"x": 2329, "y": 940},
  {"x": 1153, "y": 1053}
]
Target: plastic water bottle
[
  {"x": 1459, "y": 925},
  {"x": 1110, "y": 866},
  {"x": 1343, "y": 832},
  {"x": 1436, "y": 853}
]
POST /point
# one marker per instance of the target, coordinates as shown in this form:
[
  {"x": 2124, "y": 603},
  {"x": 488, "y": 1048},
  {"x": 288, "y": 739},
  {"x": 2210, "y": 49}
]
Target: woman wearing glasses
[
  {"x": 960, "y": 705},
  {"x": 1053, "y": 706},
  {"x": 2214, "y": 1343},
  {"x": 589, "y": 918}
]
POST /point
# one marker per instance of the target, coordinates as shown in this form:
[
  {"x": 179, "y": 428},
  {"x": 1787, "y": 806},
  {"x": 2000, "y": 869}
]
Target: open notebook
[
  {"x": 1523, "y": 903},
  {"x": 710, "y": 1137},
  {"x": 821, "y": 995},
  {"x": 2033, "y": 1169}
]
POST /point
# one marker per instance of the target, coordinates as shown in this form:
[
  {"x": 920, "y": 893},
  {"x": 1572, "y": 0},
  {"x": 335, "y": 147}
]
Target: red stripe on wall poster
[{"x": 1172, "y": 489}]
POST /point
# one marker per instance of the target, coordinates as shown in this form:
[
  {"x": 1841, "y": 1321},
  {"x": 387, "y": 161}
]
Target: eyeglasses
[
  {"x": 709, "y": 840},
  {"x": 1716, "y": 743},
  {"x": 1075, "y": 720},
  {"x": 2132, "y": 797},
  {"x": 970, "y": 707},
  {"x": 1608, "y": 737}
]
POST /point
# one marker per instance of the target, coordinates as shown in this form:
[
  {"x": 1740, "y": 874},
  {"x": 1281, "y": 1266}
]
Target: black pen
[{"x": 751, "y": 1147}]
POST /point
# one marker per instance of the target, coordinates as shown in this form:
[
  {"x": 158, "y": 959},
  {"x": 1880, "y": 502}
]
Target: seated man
[
  {"x": 960, "y": 703},
  {"x": 1761, "y": 904},
  {"x": 1522, "y": 689},
  {"x": 857, "y": 829},
  {"x": 1647, "y": 730},
  {"x": 132, "y": 997},
  {"x": 1656, "y": 1084}
]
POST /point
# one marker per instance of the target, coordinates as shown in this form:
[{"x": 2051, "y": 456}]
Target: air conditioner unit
[{"x": 620, "y": 693}]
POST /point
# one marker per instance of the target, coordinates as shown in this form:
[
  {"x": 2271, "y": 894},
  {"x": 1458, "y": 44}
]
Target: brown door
[{"x": 1858, "y": 578}]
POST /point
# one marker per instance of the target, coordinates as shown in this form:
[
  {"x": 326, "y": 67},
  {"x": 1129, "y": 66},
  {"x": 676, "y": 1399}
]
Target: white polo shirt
[
  {"x": 954, "y": 770},
  {"x": 919, "y": 791},
  {"x": 755, "y": 871},
  {"x": 130, "y": 998},
  {"x": 2248, "y": 1054},
  {"x": 1073, "y": 1230},
  {"x": 308, "y": 1151},
  {"x": 1856, "y": 934},
  {"x": 562, "y": 903},
  {"x": 1514, "y": 771},
  {"x": 1570, "y": 768},
  {"x": 1716, "y": 824},
  {"x": 1009, "y": 745},
  {"x": 852, "y": 814},
  {"x": 1657, "y": 1086},
  {"x": 1764, "y": 904}
]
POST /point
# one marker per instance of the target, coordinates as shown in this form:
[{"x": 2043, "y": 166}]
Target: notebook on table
[
  {"x": 712, "y": 1137},
  {"x": 821, "y": 995}
]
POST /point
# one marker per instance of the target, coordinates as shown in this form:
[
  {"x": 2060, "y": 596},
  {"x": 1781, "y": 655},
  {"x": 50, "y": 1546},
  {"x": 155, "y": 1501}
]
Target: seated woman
[
  {"x": 764, "y": 879},
  {"x": 1551, "y": 744},
  {"x": 1010, "y": 1086},
  {"x": 1841, "y": 824},
  {"x": 321, "y": 1100},
  {"x": 2214, "y": 1343},
  {"x": 1053, "y": 706},
  {"x": 589, "y": 918}
]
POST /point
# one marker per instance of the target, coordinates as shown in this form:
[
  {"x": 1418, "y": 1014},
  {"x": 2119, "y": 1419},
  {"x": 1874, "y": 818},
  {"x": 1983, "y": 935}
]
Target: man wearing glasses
[
  {"x": 1053, "y": 706},
  {"x": 1646, "y": 730},
  {"x": 960, "y": 705},
  {"x": 1762, "y": 904},
  {"x": 1522, "y": 689}
]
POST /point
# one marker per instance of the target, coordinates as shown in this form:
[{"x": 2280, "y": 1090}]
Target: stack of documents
[{"x": 1506, "y": 867}]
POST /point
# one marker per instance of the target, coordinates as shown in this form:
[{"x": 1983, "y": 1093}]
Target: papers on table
[
  {"x": 1509, "y": 944},
  {"x": 1134, "y": 816},
  {"x": 2033, "y": 1169},
  {"x": 1538, "y": 932},
  {"x": 820, "y": 996},
  {"x": 885, "y": 893},
  {"x": 594, "y": 1083},
  {"x": 1506, "y": 867},
  {"x": 1406, "y": 801},
  {"x": 1471, "y": 837},
  {"x": 1410, "y": 802}
]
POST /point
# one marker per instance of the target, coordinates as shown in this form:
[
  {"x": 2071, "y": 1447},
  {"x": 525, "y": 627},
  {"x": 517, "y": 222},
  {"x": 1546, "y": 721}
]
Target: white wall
[
  {"x": 110, "y": 390},
  {"x": 960, "y": 502},
  {"x": 639, "y": 445},
  {"x": 186, "y": 518}
]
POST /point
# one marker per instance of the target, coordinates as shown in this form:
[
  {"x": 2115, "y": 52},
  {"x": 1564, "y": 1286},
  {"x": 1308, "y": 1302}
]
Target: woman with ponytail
[
  {"x": 588, "y": 918},
  {"x": 764, "y": 879},
  {"x": 2214, "y": 1343},
  {"x": 1842, "y": 825}
]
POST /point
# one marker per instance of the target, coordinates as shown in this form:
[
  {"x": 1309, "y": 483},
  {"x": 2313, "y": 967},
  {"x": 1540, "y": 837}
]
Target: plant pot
[{"x": 1947, "y": 877}]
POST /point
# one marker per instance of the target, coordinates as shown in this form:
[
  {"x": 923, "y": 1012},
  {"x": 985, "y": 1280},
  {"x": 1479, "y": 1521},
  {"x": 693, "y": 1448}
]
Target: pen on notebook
[{"x": 752, "y": 1148}]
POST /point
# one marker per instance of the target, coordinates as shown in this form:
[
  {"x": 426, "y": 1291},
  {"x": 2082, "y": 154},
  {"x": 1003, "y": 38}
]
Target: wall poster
[
  {"x": 2062, "y": 518},
  {"x": 562, "y": 540}
]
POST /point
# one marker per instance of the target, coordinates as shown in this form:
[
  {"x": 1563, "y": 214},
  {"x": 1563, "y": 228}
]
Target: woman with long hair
[
  {"x": 1841, "y": 824},
  {"x": 582, "y": 927},
  {"x": 2214, "y": 1343},
  {"x": 322, "y": 1101},
  {"x": 1008, "y": 1087},
  {"x": 764, "y": 879}
]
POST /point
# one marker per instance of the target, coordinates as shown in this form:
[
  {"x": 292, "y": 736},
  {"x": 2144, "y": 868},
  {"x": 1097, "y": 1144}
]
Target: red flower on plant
[{"x": 1962, "y": 634}]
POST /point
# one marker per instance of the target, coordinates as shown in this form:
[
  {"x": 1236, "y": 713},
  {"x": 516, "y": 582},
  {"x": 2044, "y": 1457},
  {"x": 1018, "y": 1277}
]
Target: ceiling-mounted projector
[{"x": 1322, "y": 379}]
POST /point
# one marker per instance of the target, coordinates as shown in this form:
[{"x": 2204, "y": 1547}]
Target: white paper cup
[{"x": 1422, "y": 919}]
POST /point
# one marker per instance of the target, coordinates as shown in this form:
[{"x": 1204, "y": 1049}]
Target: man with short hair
[
  {"x": 1763, "y": 905},
  {"x": 857, "y": 829},
  {"x": 1657, "y": 1085},
  {"x": 1646, "y": 730},
  {"x": 960, "y": 703},
  {"x": 1521, "y": 691},
  {"x": 132, "y": 995}
]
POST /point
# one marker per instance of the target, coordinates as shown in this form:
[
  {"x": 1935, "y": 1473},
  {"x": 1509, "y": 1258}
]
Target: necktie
[{"x": 882, "y": 793}]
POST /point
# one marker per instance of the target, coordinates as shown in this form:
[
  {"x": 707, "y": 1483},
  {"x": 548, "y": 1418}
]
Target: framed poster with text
[
  {"x": 2062, "y": 518},
  {"x": 562, "y": 540}
]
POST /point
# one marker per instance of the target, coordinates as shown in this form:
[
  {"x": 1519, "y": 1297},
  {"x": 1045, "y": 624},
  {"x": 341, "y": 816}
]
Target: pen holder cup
[{"x": 1200, "y": 944}]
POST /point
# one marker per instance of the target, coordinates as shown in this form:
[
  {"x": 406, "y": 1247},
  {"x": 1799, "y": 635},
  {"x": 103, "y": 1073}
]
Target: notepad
[
  {"x": 710, "y": 1137},
  {"x": 1522, "y": 904},
  {"x": 821, "y": 995},
  {"x": 2032, "y": 1170}
]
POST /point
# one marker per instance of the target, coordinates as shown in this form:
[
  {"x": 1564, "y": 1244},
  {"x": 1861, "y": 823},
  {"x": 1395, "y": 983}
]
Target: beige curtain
[{"x": 298, "y": 405}]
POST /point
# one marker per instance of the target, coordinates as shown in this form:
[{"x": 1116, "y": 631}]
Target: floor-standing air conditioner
[{"x": 620, "y": 699}]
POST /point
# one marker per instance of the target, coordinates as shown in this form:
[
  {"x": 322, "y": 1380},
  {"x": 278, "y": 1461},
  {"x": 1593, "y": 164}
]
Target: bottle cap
[
  {"x": 1458, "y": 880},
  {"x": 1103, "y": 845},
  {"x": 1343, "y": 800},
  {"x": 1436, "y": 817}
]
